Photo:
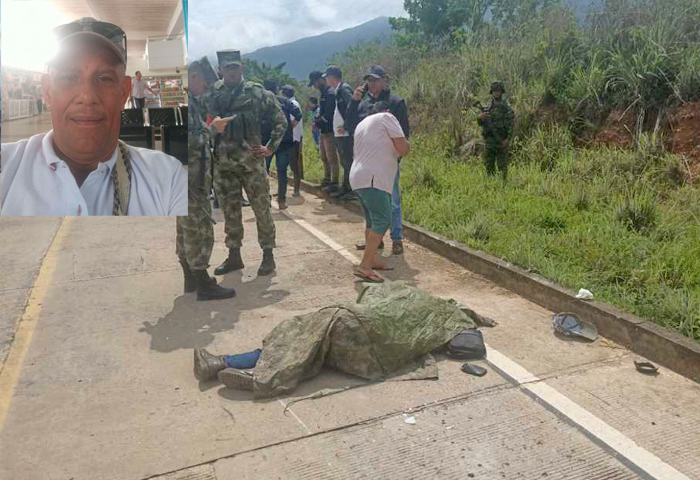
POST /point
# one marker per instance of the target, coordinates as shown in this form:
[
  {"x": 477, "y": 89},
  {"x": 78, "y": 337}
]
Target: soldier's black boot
[
  {"x": 206, "y": 365},
  {"x": 232, "y": 263},
  {"x": 207, "y": 291},
  {"x": 268, "y": 263},
  {"x": 190, "y": 280}
]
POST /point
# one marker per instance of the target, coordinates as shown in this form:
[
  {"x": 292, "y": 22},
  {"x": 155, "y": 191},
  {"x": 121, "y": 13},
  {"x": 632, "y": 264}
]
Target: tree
[{"x": 439, "y": 18}]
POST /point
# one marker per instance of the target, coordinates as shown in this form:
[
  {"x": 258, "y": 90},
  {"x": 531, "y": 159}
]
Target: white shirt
[
  {"x": 138, "y": 87},
  {"x": 375, "y": 162},
  {"x": 298, "y": 131},
  {"x": 339, "y": 122},
  {"x": 35, "y": 181}
]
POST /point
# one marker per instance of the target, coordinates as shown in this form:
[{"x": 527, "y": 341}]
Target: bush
[{"x": 637, "y": 210}]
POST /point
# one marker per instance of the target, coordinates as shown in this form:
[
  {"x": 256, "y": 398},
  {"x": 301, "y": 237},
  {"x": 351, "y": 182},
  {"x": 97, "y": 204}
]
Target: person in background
[
  {"x": 379, "y": 142},
  {"x": 283, "y": 154},
  {"x": 343, "y": 139},
  {"x": 314, "y": 113},
  {"x": 296, "y": 161},
  {"x": 376, "y": 89},
  {"x": 497, "y": 128},
  {"x": 325, "y": 125},
  {"x": 138, "y": 91}
]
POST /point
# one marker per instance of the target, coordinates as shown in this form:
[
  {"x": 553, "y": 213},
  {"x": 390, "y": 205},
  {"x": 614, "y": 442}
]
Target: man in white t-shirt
[
  {"x": 80, "y": 167},
  {"x": 379, "y": 142},
  {"x": 138, "y": 91}
]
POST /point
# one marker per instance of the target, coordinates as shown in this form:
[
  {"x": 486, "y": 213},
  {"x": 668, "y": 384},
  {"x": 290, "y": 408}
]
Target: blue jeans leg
[
  {"x": 282, "y": 159},
  {"x": 268, "y": 161},
  {"x": 396, "y": 215}
]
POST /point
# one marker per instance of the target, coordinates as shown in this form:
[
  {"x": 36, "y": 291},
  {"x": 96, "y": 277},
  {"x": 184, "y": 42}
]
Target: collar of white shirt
[{"x": 31, "y": 185}]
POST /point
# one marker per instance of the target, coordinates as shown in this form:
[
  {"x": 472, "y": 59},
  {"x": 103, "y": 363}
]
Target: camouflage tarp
[{"x": 390, "y": 331}]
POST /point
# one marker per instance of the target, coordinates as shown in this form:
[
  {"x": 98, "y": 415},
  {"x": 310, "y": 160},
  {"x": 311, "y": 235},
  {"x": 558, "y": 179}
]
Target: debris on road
[
  {"x": 569, "y": 324},
  {"x": 411, "y": 420},
  {"x": 584, "y": 294},
  {"x": 647, "y": 368},
  {"x": 475, "y": 370}
]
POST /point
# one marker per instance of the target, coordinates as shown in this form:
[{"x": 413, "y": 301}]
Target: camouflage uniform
[
  {"x": 236, "y": 167},
  {"x": 499, "y": 127},
  {"x": 195, "y": 233}
]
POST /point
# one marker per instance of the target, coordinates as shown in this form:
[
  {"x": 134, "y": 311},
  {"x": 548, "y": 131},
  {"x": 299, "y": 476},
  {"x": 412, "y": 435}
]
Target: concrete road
[{"x": 97, "y": 380}]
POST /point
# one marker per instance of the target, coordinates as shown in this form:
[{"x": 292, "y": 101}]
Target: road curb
[{"x": 658, "y": 344}]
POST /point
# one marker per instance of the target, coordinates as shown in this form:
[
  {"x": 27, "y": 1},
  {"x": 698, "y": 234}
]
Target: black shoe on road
[
  {"x": 268, "y": 263},
  {"x": 207, "y": 291}
]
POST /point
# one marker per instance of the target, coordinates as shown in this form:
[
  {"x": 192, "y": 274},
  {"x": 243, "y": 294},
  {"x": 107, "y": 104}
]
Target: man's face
[
  {"x": 196, "y": 83},
  {"x": 86, "y": 93},
  {"x": 497, "y": 94},
  {"x": 232, "y": 74},
  {"x": 320, "y": 83},
  {"x": 333, "y": 81},
  {"x": 138, "y": 75},
  {"x": 376, "y": 85}
]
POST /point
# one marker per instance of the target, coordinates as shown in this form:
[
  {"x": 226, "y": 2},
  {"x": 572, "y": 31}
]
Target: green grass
[
  {"x": 623, "y": 224},
  {"x": 604, "y": 220}
]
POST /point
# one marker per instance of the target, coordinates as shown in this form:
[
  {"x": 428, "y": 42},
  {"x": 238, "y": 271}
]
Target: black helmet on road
[{"x": 498, "y": 86}]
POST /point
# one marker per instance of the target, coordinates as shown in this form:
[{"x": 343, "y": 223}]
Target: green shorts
[{"x": 377, "y": 207}]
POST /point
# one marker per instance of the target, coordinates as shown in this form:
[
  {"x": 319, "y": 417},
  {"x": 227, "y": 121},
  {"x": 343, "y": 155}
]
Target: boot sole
[{"x": 236, "y": 380}]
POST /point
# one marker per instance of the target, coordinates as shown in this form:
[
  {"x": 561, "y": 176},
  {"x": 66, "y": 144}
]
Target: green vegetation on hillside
[{"x": 624, "y": 223}]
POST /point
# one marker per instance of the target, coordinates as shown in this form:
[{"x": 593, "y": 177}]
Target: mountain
[{"x": 312, "y": 53}]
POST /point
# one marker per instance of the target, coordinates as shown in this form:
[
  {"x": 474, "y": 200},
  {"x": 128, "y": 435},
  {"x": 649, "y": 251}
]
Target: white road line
[
  {"x": 320, "y": 235},
  {"x": 615, "y": 440},
  {"x": 585, "y": 420}
]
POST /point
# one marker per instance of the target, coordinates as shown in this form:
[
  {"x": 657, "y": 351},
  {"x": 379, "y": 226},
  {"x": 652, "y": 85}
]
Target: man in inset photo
[{"x": 81, "y": 167}]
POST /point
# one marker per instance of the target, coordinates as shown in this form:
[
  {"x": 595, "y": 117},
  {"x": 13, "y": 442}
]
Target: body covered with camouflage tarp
[{"x": 389, "y": 331}]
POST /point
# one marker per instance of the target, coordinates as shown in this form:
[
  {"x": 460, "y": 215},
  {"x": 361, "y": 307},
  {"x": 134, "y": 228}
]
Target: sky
[{"x": 247, "y": 25}]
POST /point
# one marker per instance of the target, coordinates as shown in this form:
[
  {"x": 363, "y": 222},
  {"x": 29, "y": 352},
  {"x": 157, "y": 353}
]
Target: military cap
[
  {"x": 376, "y": 71},
  {"x": 498, "y": 86},
  {"x": 229, "y": 57},
  {"x": 313, "y": 76},
  {"x": 204, "y": 68}
]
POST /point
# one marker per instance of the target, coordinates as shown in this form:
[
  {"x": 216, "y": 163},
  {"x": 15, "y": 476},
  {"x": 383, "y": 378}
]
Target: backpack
[{"x": 467, "y": 345}]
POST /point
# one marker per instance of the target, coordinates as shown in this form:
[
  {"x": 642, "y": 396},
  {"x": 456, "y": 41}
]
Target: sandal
[{"x": 368, "y": 277}]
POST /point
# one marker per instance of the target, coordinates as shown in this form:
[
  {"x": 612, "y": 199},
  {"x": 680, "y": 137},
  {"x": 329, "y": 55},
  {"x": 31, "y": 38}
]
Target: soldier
[
  {"x": 497, "y": 128},
  {"x": 240, "y": 159},
  {"x": 195, "y": 233}
]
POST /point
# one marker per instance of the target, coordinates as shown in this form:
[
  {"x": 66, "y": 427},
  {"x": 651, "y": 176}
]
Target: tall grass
[{"x": 622, "y": 223}]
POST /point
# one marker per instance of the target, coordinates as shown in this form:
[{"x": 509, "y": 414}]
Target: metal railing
[{"x": 20, "y": 108}]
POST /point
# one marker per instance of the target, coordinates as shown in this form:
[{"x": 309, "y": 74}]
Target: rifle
[
  {"x": 200, "y": 182},
  {"x": 489, "y": 124}
]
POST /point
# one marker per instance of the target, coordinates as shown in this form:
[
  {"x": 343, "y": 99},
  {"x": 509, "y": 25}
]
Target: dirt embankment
[
  {"x": 682, "y": 131},
  {"x": 685, "y": 135}
]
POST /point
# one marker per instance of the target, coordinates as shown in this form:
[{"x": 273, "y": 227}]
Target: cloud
[{"x": 248, "y": 25}]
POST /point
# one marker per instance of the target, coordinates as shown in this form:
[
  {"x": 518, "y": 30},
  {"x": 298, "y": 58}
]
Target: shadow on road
[{"x": 192, "y": 324}]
